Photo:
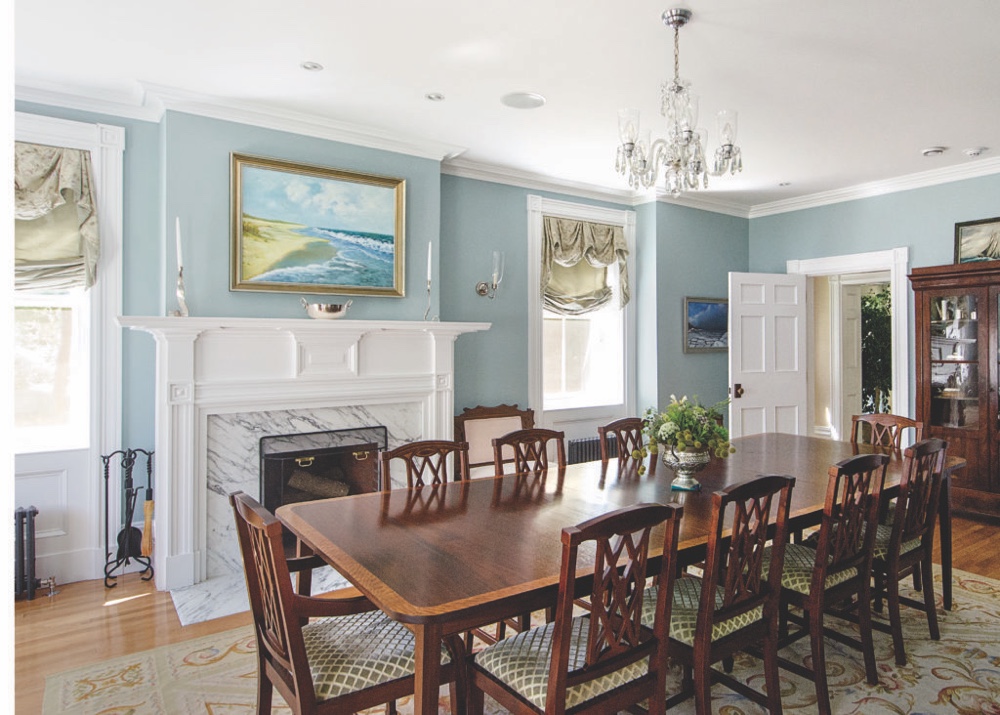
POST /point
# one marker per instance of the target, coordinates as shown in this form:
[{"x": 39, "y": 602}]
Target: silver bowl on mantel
[{"x": 325, "y": 311}]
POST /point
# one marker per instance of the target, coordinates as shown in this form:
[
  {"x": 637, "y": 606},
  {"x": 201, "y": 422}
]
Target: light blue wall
[
  {"x": 696, "y": 250},
  {"x": 477, "y": 218},
  {"x": 921, "y": 219},
  {"x": 197, "y": 161}
]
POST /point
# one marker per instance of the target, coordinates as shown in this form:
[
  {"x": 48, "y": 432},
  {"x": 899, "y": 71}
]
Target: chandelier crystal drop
[{"x": 680, "y": 155}]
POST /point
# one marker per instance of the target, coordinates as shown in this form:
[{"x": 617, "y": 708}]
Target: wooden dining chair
[
  {"x": 734, "y": 606},
  {"x": 528, "y": 450},
  {"x": 836, "y": 571},
  {"x": 350, "y": 658},
  {"x": 884, "y": 430},
  {"x": 906, "y": 545},
  {"x": 480, "y": 425},
  {"x": 604, "y": 661},
  {"x": 627, "y": 435},
  {"x": 426, "y": 462}
]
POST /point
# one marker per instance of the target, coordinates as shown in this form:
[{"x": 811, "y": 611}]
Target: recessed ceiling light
[
  {"x": 975, "y": 151},
  {"x": 785, "y": 183},
  {"x": 311, "y": 66},
  {"x": 522, "y": 100},
  {"x": 434, "y": 96},
  {"x": 934, "y": 150}
]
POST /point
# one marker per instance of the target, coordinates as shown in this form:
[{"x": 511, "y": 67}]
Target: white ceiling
[{"x": 831, "y": 94}]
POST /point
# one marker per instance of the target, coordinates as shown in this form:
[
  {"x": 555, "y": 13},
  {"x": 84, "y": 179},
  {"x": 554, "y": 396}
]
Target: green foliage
[
  {"x": 876, "y": 351},
  {"x": 688, "y": 426}
]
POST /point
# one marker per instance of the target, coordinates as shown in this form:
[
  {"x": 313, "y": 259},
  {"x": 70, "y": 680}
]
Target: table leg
[
  {"x": 944, "y": 519},
  {"x": 427, "y": 679}
]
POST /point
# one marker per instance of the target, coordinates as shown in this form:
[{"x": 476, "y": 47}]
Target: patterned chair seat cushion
[
  {"x": 350, "y": 653},
  {"x": 684, "y": 611},
  {"x": 798, "y": 569},
  {"x": 522, "y": 662},
  {"x": 882, "y": 535}
]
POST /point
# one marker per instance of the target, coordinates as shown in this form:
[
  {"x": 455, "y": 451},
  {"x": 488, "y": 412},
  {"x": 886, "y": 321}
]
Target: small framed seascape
[
  {"x": 308, "y": 229},
  {"x": 706, "y": 325},
  {"x": 977, "y": 240}
]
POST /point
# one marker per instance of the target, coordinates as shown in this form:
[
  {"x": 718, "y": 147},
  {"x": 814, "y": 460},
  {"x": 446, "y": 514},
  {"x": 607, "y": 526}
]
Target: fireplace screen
[{"x": 319, "y": 465}]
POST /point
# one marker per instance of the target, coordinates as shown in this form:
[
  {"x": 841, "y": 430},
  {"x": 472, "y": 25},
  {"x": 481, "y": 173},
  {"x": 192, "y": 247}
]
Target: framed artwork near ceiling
[
  {"x": 706, "y": 325},
  {"x": 977, "y": 240},
  {"x": 309, "y": 229}
]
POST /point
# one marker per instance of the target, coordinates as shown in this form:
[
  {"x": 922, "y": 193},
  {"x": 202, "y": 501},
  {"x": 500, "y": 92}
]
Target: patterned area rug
[{"x": 216, "y": 674}]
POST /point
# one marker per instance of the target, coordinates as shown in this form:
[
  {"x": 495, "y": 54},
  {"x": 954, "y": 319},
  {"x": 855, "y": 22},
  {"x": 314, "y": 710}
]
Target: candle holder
[{"x": 182, "y": 308}]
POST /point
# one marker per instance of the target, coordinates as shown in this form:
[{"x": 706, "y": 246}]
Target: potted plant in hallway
[{"x": 688, "y": 434}]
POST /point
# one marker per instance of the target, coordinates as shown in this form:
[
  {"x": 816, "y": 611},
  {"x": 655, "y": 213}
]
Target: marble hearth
[{"x": 223, "y": 383}]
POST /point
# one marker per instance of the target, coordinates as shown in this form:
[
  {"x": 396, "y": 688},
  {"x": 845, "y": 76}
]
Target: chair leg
[
  {"x": 476, "y": 698},
  {"x": 916, "y": 580},
  {"x": 772, "y": 680},
  {"x": 390, "y": 708},
  {"x": 819, "y": 660},
  {"x": 702, "y": 682},
  {"x": 895, "y": 621},
  {"x": 867, "y": 642},
  {"x": 879, "y": 590},
  {"x": 929, "y": 605},
  {"x": 265, "y": 690}
]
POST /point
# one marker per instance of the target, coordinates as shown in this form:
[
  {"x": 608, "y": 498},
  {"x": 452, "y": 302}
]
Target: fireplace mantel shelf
[{"x": 296, "y": 325}]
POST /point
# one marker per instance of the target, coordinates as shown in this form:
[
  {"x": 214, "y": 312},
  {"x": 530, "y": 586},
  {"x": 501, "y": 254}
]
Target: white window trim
[
  {"x": 106, "y": 144},
  {"x": 538, "y": 207}
]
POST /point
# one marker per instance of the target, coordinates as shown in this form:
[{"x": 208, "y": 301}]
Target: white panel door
[{"x": 767, "y": 353}]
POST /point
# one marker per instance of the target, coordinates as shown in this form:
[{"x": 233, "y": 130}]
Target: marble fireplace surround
[{"x": 222, "y": 383}]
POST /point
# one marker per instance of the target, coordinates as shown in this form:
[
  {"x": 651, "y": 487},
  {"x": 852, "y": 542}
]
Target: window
[
  {"x": 581, "y": 334},
  {"x": 51, "y": 370},
  {"x": 583, "y": 356}
]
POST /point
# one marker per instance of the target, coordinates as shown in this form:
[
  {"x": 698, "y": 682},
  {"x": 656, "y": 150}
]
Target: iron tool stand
[{"x": 129, "y": 538}]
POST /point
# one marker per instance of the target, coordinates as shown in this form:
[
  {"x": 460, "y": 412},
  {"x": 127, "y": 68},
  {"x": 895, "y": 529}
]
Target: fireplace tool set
[{"x": 132, "y": 544}]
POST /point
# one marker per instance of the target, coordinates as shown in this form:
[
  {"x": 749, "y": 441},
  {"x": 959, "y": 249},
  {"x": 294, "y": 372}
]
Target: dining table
[{"x": 444, "y": 559}]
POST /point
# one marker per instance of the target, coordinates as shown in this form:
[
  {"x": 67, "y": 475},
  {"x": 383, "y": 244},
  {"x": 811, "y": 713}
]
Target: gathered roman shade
[
  {"x": 576, "y": 256},
  {"x": 56, "y": 242}
]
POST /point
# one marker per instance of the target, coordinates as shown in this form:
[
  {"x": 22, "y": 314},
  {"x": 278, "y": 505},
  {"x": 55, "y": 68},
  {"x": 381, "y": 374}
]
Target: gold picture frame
[
  {"x": 310, "y": 229},
  {"x": 977, "y": 240}
]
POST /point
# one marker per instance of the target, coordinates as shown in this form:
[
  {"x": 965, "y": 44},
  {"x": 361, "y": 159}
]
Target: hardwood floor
[{"x": 87, "y": 623}]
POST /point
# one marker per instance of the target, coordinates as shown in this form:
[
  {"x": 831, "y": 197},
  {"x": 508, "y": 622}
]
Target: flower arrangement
[{"x": 688, "y": 426}]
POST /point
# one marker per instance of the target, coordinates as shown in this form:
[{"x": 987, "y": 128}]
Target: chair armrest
[{"x": 312, "y": 607}]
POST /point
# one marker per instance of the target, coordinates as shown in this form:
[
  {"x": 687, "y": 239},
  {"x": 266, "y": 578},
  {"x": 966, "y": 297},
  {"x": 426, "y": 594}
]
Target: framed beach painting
[
  {"x": 308, "y": 229},
  {"x": 977, "y": 240},
  {"x": 706, "y": 325}
]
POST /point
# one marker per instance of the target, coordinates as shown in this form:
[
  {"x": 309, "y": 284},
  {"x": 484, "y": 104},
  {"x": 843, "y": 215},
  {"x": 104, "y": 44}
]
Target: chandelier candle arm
[{"x": 681, "y": 154}]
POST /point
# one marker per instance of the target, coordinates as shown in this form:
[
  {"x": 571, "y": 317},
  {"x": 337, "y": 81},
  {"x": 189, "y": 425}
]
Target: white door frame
[
  {"x": 106, "y": 144},
  {"x": 896, "y": 262}
]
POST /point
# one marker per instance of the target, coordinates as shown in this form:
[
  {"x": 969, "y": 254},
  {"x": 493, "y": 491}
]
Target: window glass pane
[
  {"x": 50, "y": 372},
  {"x": 583, "y": 359}
]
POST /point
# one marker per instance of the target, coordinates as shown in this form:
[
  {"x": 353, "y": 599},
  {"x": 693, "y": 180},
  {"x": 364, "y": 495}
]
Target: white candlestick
[
  {"x": 429, "y": 261},
  {"x": 177, "y": 230}
]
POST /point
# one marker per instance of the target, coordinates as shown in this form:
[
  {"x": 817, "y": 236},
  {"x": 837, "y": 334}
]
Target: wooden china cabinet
[{"x": 958, "y": 370}]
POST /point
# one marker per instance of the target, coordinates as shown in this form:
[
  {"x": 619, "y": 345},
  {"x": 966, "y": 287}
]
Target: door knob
[{"x": 737, "y": 391}]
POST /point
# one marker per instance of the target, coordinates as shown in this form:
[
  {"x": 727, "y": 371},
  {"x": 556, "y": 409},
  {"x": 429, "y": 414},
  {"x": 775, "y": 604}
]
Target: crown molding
[
  {"x": 132, "y": 106},
  {"x": 497, "y": 174},
  {"x": 923, "y": 179},
  {"x": 695, "y": 201},
  {"x": 298, "y": 123}
]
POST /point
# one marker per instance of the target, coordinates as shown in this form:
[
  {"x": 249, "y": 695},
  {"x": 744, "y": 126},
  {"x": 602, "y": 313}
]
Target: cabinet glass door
[{"x": 954, "y": 362}]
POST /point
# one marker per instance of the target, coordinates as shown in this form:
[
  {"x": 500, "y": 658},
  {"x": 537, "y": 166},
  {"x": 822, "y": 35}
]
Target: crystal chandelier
[{"x": 681, "y": 153}]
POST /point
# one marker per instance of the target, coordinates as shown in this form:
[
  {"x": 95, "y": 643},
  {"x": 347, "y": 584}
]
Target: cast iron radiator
[
  {"x": 25, "y": 582},
  {"x": 588, "y": 449}
]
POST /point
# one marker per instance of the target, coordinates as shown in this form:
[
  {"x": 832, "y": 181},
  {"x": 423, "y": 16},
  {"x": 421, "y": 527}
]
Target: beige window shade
[
  {"x": 56, "y": 242},
  {"x": 576, "y": 256}
]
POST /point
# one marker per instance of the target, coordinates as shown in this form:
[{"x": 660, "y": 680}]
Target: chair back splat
[
  {"x": 884, "y": 430},
  {"x": 528, "y": 450},
  {"x": 627, "y": 433},
  {"x": 426, "y": 462}
]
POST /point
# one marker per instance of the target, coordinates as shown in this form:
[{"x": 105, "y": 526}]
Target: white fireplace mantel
[{"x": 219, "y": 366}]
